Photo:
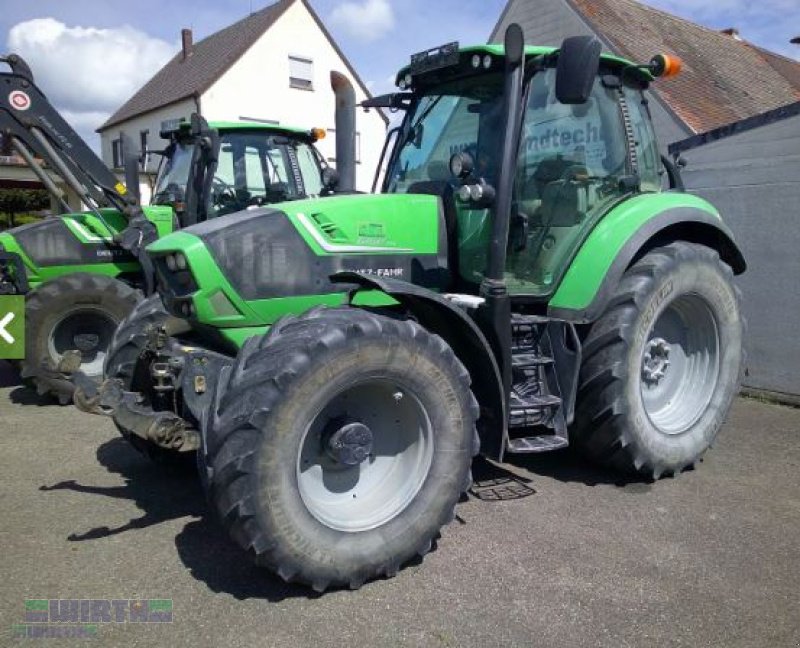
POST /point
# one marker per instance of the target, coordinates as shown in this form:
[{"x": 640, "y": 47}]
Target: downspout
[{"x": 345, "y": 120}]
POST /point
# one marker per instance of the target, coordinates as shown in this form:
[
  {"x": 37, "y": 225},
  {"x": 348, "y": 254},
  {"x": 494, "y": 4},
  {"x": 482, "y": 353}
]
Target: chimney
[
  {"x": 186, "y": 40},
  {"x": 732, "y": 32}
]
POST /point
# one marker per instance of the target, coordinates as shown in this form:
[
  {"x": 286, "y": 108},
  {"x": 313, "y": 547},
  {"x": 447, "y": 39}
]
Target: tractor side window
[
  {"x": 309, "y": 169},
  {"x": 254, "y": 173},
  {"x": 647, "y": 152},
  {"x": 174, "y": 176},
  {"x": 569, "y": 165}
]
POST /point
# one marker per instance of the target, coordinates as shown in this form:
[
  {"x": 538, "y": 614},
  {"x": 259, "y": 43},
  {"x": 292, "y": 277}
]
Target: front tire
[
  {"x": 341, "y": 445},
  {"x": 662, "y": 364},
  {"x": 78, "y": 311},
  {"x": 123, "y": 364}
]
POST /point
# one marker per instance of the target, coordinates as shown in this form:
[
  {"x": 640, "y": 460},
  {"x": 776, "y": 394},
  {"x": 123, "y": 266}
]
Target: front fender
[
  {"x": 637, "y": 225},
  {"x": 441, "y": 316}
]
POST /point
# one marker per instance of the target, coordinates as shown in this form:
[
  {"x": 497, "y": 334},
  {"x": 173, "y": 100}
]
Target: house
[
  {"x": 733, "y": 114},
  {"x": 724, "y": 78},
  {"x": 276, "y": 65}
]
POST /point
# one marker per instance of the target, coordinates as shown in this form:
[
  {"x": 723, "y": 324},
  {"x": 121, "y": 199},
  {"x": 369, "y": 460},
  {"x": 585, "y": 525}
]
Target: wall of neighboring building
[
  {"x": 753, "y": 178},
  {"x": 549, "y": 22},
  {"x": 258, "y": 86}
]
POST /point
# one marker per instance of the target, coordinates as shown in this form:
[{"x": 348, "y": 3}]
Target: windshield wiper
[{"x": 412, "y": 131}]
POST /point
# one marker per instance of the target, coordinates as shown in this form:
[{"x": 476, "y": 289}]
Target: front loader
[
  {"x": 82, "y": 273},
  {"x": 522, "y": 283}
]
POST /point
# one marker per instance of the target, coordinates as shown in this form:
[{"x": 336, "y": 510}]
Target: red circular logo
[{"x": 19, "y": 100}]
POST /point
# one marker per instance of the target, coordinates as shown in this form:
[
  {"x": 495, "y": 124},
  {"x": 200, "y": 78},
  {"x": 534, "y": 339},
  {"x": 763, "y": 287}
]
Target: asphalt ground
[{"x": 545, "y": 552}]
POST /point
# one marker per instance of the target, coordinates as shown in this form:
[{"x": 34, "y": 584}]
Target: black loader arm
[
  {"x": 34, "y": 128},
  {"x": 28, "y": 118}
]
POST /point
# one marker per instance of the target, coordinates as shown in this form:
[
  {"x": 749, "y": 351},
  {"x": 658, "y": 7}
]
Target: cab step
[
  {"x": 536, "y": 409},
  {"x": 533, "y": 444}
]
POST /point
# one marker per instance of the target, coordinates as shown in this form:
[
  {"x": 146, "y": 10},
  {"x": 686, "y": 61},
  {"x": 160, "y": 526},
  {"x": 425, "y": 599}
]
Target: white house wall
[{"x": 257, "y": 86}]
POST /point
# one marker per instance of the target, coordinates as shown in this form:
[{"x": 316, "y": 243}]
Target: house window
[
  {"x": 301, "y": 73},
  {"x": 117, "y": 155},
  {"x": 143, "y": 148}
]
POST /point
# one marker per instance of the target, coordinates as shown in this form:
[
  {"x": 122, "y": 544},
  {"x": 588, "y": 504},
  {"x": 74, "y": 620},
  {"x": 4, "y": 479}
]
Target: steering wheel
[{"x": 223, "y": 192}]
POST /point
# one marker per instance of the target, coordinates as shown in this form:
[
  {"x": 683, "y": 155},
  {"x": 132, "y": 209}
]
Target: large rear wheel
[
  {"x": 341, "y": 445},
  {"x": 662, "y": 365}
]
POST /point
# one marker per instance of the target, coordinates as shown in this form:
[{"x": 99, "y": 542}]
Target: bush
[{"x": 17, "y": 204}]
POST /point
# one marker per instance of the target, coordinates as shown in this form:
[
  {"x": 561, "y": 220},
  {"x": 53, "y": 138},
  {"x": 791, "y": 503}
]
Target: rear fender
[{"x": 624, "y": 236}]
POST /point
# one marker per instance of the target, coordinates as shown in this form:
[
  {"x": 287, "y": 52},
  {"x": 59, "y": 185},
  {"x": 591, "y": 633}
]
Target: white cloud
[
  {"x": 368, "y": 20},
  {"x": 86, "y": 72}
]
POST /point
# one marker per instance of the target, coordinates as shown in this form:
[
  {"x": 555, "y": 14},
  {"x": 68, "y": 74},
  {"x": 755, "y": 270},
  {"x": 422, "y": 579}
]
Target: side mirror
[
  {"x": 330, "y": 178},
  {"x": 578, "y": 62}
]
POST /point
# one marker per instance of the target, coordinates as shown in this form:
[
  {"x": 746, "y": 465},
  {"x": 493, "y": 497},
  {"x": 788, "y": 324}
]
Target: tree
[{"x": 17, "y": 201}]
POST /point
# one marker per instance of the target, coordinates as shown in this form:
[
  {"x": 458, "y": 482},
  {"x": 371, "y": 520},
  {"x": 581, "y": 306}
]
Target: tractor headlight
[
  {"x": 171, "y": 262},
  {"x": 476, "y": 61},
  {"x": 487, "y": 62},
  {"x": 187, "y": 309},
  {"x": 180, "y": 261}
]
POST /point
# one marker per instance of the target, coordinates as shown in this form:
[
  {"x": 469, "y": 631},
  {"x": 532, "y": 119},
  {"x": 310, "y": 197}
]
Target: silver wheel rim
[
  {"x": 88, "y": 330},
  {"x": 366, "y": 495},
  {"x": 680, "y": 364}
]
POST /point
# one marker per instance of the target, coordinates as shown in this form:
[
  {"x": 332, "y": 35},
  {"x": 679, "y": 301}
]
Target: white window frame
[{"x": 301, "y": 72}]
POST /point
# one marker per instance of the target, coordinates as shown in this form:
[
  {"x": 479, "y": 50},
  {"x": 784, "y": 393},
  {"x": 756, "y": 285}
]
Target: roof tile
[{"x": 723, "y": 79}]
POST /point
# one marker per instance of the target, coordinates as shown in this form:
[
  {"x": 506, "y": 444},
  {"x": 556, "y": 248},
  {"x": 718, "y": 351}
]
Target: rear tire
[
  {"x": 273, "y": 480},
  {"x": 122, "y": 362},
  {"x": 662, "y": 365},
  {"x": 77, "y": 311}
]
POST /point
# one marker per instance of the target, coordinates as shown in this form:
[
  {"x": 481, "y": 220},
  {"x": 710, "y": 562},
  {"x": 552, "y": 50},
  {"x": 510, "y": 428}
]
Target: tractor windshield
[
  {"x": 256, "y": 168},
  {"x": 174, "y": 175},
  {"x": 464, "y": 115}
]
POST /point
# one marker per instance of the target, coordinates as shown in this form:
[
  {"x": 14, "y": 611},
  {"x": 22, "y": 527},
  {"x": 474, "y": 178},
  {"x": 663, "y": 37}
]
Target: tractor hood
[{"x": 222, "y": 271}]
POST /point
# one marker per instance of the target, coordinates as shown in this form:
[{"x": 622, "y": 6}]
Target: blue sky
[{"x": 90, "y": 71}]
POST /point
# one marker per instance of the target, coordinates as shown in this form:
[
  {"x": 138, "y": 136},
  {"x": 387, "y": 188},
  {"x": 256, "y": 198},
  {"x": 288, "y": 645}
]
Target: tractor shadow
[
  {"x": 171, "y": 492},
  {"x": 8, "y": 375},
  {"x": 514, "y": 478},
  {"x": 145, "y": 484}
]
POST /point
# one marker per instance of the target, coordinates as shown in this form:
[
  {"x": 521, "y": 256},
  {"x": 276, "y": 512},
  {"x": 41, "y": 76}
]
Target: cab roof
[
  {"x": 250, "y": 125},
  {"x": 531, "y": 51}
]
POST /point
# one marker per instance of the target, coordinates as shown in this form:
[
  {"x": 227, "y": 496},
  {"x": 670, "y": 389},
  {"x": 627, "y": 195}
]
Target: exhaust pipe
[{"x": 345, "y": 119}]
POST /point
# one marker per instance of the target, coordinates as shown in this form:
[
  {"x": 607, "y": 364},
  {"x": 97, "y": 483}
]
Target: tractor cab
[
  {"x": 571, "y": 162},
  {"x": 242, "y": 165}
]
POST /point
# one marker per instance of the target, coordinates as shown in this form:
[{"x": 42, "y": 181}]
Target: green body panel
[
  {"x": 380, "y": 223},
  {"x": 245, "y": 125},
  {"x": 89, "y": 229},
  {"x": 273, "y": 310},
  {"x": 594, "y": 258},
  {"x": 386, "y": 224}
]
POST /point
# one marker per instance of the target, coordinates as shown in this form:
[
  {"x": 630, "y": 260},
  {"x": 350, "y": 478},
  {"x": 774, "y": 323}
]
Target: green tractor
[
  {"x": 82, "y": 273},
  {"x": 522, "y": 283}
]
